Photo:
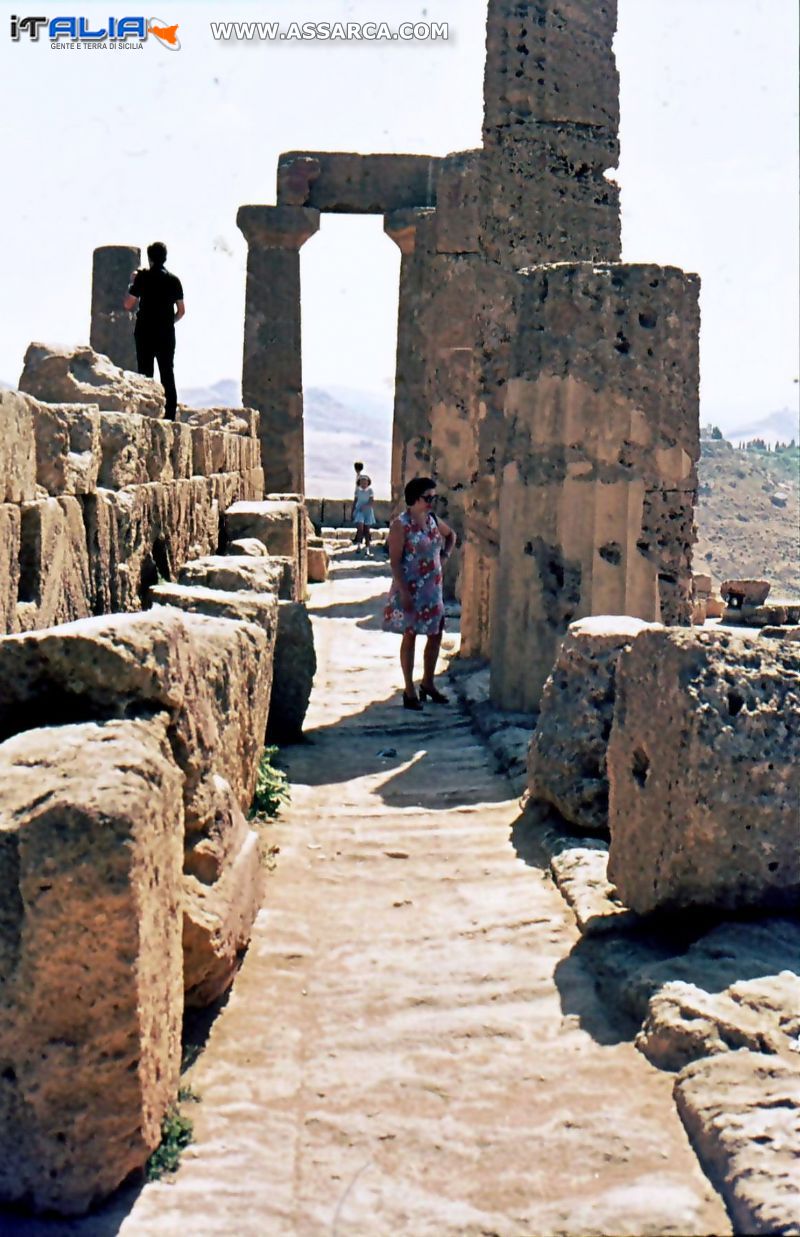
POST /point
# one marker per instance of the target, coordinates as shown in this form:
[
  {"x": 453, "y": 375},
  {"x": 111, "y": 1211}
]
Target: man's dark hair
[
  {"x": 157, "y": 253},
  {"x": 416, "y": 488}
]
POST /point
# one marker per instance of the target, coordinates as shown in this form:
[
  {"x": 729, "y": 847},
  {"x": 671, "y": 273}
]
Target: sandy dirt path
[{"x": 410, "y": 1048}]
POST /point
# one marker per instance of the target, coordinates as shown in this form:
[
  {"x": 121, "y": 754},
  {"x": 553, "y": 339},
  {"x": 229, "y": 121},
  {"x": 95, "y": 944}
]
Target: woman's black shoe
[
  {"x": 411, "y": 702},
  {"x": 430, "y": 693}
]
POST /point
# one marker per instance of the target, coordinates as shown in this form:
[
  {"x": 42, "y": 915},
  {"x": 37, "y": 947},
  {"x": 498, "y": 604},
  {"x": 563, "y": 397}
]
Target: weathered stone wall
[{"x": 97, "y": 504}]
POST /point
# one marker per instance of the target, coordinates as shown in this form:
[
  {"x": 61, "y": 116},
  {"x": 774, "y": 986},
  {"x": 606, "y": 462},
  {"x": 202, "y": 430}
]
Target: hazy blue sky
[{"x": 123, "y": 147}]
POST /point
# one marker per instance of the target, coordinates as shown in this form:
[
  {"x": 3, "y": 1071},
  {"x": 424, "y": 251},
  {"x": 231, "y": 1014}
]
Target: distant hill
[
  {"x": 342, "y": 424},
  {"x": 748, "y": 514}
]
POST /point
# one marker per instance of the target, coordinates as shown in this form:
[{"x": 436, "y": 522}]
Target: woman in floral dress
[{"x": 418, "y": 544}]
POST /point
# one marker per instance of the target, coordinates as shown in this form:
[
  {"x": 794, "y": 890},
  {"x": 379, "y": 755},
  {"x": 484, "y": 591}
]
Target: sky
[{"x": 124, "y": 147}]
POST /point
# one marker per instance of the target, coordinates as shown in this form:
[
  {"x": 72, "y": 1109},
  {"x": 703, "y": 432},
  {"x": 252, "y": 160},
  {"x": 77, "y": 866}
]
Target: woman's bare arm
[
  {"x": 449, "y": 538},
  {"x": 397, "y": 537}
]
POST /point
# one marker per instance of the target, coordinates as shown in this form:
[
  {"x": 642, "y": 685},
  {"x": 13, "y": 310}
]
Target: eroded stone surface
[
  {"x": 82, "y": 376},
  {"x": 218, "y": 920},
  {"x": 91, "y": 843},
  {"x": 17, "y": 448},
  {"x": 741, "y": 1112},
  {"x": 54, "y": 570},
  {"x": 567, "y": 760},
  {"x": 738, "y": 593},
  {"x": 234, "y": 573},
  {"x": 294, "y": 670},
  {"x": 67, "y": 447},
  {"x": 704, "y": 772}
]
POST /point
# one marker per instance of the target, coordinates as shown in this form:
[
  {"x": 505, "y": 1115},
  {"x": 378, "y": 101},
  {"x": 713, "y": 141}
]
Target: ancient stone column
[
  {"x": 411, "y": 425},
  {"x": 111, "y": 329},
  {"x": 598, "y": 482},
  {"x": 551, "y": 116},
  {"x": 272, "y": 369},
  {"x": 550, "y": 133},
  {"x": 449, "y": 242}
]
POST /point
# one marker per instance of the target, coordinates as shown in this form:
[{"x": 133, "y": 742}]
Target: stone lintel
[
  {"x": 401, "y": 226},
  {"x": 277, "y": 227},
  {"x": 349, "y": 183}
]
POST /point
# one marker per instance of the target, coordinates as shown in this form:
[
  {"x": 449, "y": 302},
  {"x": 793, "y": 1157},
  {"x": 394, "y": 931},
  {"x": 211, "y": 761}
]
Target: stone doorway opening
[{"x": 350, "y": 275}]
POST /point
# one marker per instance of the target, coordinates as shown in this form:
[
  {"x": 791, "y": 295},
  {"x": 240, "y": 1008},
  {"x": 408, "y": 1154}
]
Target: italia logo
[{"x": 81, "y": 30}]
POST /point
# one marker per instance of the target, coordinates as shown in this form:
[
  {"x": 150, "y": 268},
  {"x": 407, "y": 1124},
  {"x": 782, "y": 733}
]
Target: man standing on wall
[{"x": 157, "y": 297}]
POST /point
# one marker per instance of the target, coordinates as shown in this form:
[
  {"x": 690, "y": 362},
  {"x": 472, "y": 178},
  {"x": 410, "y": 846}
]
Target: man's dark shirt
[{"x": 157, "y": 291}]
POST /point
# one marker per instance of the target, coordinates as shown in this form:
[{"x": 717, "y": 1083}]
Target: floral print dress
[{"x": 421, "y": 566}]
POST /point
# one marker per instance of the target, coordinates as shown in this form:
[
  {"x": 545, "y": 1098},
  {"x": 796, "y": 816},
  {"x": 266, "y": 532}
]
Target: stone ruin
[
  {"x": 130, "y": 741},
  {"x": 551, "y": 389},
  {"x": 153, "y": 595}
]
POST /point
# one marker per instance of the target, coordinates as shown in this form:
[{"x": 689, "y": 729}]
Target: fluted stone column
[
  {"x": 598, "y": 482},
  {"x": 111, "y": 330},
  {"x": 550, "y": 135},
  {"x": 411, "y": 423},
  {"x": 272, "y": 378}
]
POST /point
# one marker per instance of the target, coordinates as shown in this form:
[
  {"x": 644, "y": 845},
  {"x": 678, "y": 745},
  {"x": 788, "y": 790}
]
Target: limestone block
[
  {"x": 142, "y": 533},
  {"x": 274, "y": 523},
  {"x": 684, "y": 1022},
  {"x": 246, "y": 607},
  {"x": 54, "y": 576},
  {"x": 250, "y": 547},
  {"x": 704, "y": 772},
  {"x": 17, "y": 448},
  {"x": 741, "y": 1113},
  {"x": 567, "y": 758},
  {"x": 118, "y": 666},
  {"x": 115, "y": 536},
  {"x": 90, "y": 952},
  {"x": 218, "y": 920},
  {"x": 242, "y": 421},
  {"x": 360, "y": 184},
  {"x": 10, "y": 525},
  {"x": 715, "y": 608},
  {"x": 82, "y": 376},
  {"x": 738, "y": 593},
  {"x": 125, "y": 445},
  {"x": 67, "y": 447},
  {"x": 701, "y": 585},
  {"x": 234, "y": 573},
  {"x": 252, "y": 487},
  {"x": 166, "y": 448},
  {"x": 317, "y": 564},
  {"x": 293, "y": 674},
  {"x": 208, "y": 855},
  {"x": 234, "y": 662}
]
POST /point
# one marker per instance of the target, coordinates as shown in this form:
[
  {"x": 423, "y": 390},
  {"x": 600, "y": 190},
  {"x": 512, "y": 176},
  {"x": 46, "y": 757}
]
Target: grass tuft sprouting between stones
[
  {"x": 272, "y": 786},
  {"x": 177, "y": 1133}
]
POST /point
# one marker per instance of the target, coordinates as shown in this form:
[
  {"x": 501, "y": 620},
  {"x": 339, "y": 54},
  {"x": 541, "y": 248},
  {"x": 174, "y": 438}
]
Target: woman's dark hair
[
  {"x": 157, "y": 253},
  {"x": 416, "y": 488}
]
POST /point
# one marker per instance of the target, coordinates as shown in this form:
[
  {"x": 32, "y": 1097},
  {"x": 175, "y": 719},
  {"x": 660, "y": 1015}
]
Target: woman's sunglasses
[{"x": 429, "y": 498}]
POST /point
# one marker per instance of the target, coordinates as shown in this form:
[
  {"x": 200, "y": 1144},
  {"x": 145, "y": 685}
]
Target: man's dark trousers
[{"x": 161, "y": 348}]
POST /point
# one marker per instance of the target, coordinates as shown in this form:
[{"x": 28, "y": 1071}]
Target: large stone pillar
[
  {"x": 551, "y": 117},
  {"x": 550, "y": 133},
  {"x": 598, "y": 482},
  {"x": 272, "y": 378},
  {"x": 411, "y": 425},
  {"x": 452, "y": 366},
  {"x": 111, "y": 330}
]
